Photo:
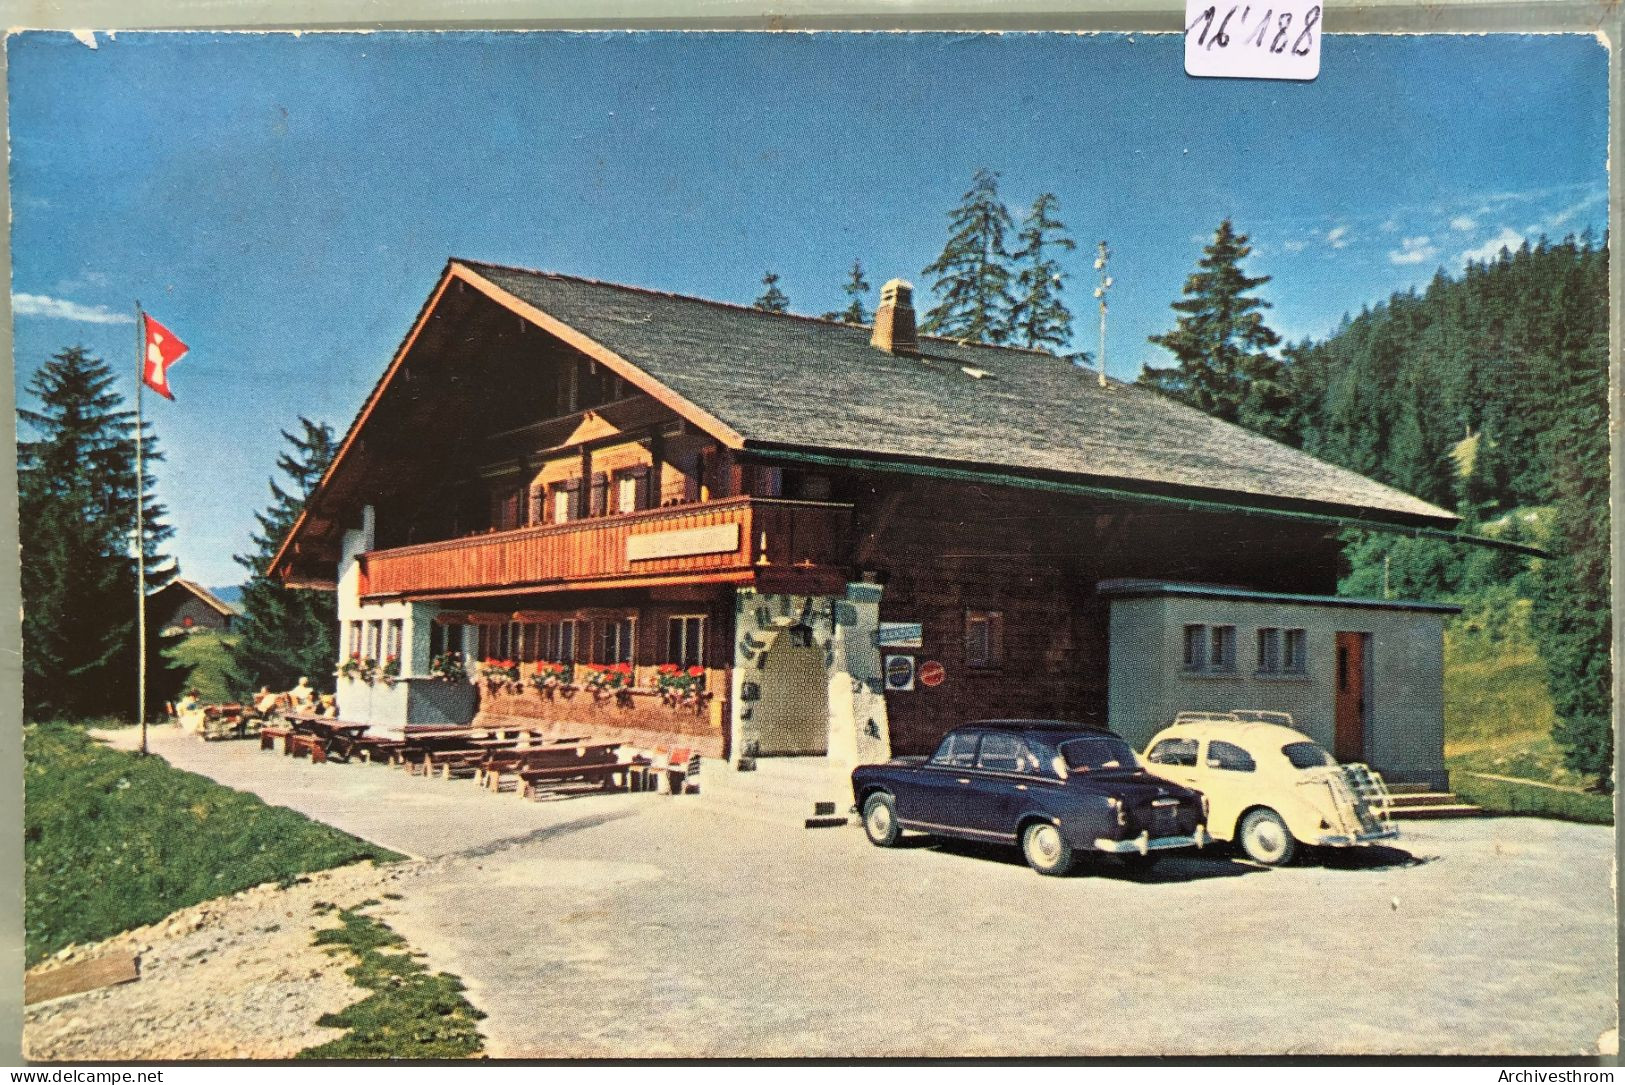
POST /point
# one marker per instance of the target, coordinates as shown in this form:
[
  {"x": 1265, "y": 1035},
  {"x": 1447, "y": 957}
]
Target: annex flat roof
[{"x": 1142, "y": 589}]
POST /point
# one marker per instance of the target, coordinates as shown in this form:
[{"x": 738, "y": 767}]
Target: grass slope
[
  {"x": 1498, "y": 719},
  {"x": 410, "y": 1014},
  {"x": 112, "y": 840},
  {"x": 205, "y": 653}
]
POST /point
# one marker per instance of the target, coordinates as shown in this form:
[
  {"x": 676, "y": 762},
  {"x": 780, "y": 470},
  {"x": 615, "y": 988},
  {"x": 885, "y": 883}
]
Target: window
[
  {"x": 1195, "y": 647},
  {"x": 1230, "y": 757},
  {"x": 375, "y": 632},
  {"x": 1307, "y": 755},
  {"x": 619, "y": 639},
  {"x": 958, "y": 750},
  {"x": 984, "y": 638},
  {"x": 394, "y": 633},
  {"x": 561, "y": 498},
  {"x": 1210, "y": 649},
  {"x": 1281, "y": 651},
  {"x": 1006, "y": 753},
  {"x": 685, "y": 640},
  {"x": 627, "y": 488},
  {"x": 1174, "y": 751},
  {"x": 1294, "y": 651}
]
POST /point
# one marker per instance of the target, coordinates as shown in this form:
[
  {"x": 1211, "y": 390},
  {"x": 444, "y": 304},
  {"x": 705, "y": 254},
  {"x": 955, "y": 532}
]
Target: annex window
[
  {"x": 1195, "y": 647},
  {"x": 1174, "y": 751},
  {"x": 958, "y": 750},
  {"x": 685, "y": 640},
  {"x": 1229, "y": 756},
  {"x": 1006, "y": 753},
  {"x": 1281, "y": 651},
  {"x": 1210, "y": 649},
  {"x": 984, "y": 638},
  {"x": 394, "y": 634},
  {"x": 619, "y": 638}
]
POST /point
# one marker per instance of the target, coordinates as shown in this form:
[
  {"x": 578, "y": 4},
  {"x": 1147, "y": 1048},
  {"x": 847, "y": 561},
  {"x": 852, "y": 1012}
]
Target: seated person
[{"x": 189, "y": 712}]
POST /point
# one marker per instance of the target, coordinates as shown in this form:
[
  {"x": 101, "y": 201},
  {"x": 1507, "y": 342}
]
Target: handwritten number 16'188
[{"x": 1278, "y": 44}]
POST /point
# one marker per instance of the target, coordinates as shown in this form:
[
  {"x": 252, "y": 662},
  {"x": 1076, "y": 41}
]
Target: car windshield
[
  {"x": 1104, "y": 752},
  {"x": 1307, "y": 755}
]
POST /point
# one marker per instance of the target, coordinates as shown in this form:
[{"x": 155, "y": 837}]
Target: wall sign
[
  {"x": 685, "y": 542},
  {"x": 932, "y": 674},
  {"x": 899, "y": 673},
  {"x": 899, "y": 635}
]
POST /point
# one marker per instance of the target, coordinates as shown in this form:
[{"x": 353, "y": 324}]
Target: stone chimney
[{"x": 894, "y": 321}]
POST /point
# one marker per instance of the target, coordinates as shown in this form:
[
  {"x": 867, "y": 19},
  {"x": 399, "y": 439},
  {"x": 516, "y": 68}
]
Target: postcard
[{"x": 734, "y": 545}]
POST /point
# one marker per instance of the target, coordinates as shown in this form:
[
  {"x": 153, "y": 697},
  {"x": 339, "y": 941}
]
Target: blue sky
[{"x": 285, "y": 203}]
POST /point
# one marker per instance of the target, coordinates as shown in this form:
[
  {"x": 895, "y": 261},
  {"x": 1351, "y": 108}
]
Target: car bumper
[
  {"x": 1339, "y": 841},
  {"x": 1145, "y": 843}
]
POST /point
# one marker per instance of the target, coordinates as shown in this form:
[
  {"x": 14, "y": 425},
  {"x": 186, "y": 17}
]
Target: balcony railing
[{"x": 733, "y": 539}]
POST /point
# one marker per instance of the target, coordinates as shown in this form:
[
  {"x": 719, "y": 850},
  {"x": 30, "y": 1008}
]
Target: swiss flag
[{"x": 164, "y": 349}]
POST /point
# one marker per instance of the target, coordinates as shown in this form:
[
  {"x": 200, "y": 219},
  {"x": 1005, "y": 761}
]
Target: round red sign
[{"x": 932, "y": 673}]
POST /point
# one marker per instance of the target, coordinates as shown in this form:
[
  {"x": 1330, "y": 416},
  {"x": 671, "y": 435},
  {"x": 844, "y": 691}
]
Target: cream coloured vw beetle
[{"x": 1270, "y": 787}]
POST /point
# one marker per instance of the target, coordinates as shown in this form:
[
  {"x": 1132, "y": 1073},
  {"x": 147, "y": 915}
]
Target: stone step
[
  {"x": 1420, "y": 813},
  {"x": 1424, "y": 798}
]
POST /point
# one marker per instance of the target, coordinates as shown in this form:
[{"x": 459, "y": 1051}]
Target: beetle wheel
[{"x": 1266, "y": 839}]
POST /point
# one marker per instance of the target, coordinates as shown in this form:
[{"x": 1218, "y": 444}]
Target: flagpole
[{"x": 140, "y": 532}]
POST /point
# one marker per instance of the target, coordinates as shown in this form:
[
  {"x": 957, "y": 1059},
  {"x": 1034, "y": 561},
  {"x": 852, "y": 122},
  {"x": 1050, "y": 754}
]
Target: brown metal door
[{"x": 1349, "y": 736}]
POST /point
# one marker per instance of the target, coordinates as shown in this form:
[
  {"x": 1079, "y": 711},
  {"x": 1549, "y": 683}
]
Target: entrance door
[
  {"x": 792, "y": 712},
  {"x": 1348, "y": 739}
]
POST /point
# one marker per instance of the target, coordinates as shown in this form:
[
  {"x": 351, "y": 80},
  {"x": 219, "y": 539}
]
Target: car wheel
[
  {"x": 880, "y": 820},
  {"x": 1045, "y": 849},
  {"x": 1266, "y": 839}
]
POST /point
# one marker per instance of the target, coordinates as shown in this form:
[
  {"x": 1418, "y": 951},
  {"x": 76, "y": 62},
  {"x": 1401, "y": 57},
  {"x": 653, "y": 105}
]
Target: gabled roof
[
  {"x": 795, "y": 387},
  {"x": 204, "y": 594},
  {"x": 781, "y": 381}
]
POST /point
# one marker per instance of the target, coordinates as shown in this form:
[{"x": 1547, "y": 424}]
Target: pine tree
[
  {"x": 973, "y": 273},
  {"x": 77, "y": 496},
  {"x": 1040, "y": 319},
  {"x": 286, "y": 633},
  {"x": 773, "y": 300},
  {"x": 857, "y": 290},
  {"x": 1222, "y": 344}
]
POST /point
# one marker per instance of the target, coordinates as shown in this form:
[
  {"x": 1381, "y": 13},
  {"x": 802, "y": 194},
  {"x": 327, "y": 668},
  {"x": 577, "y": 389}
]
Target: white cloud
[
  {"x": 41, "y": 305},
  {"x": 1508, "y": 238},
  {"x": 1463, "y": 224},
  {"x": 1294, "y": 246},
  {"x": 1560, "y": 217},
  {"x": 1413, "y": 250},
  {"x": 1337, "y": 237}
]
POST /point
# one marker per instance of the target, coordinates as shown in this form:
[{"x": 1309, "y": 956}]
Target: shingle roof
[{"x": 780, "y": 380}]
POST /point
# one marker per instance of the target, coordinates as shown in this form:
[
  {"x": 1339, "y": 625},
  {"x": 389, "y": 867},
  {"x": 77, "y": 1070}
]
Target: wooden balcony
[{"x": 779, "y": 545}]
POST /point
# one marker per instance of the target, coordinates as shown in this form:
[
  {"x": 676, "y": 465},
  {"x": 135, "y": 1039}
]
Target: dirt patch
[{"x": 238, "y": 977}]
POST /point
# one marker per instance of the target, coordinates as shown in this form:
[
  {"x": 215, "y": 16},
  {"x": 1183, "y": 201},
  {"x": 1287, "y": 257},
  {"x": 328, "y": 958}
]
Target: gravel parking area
[{"x": 645, "y": 925}]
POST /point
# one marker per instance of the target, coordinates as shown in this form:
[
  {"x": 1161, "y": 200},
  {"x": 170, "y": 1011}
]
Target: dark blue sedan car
[{"x": 1060, "y": 790}]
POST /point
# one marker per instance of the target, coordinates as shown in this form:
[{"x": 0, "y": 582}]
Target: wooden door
[{"x": 1348, "y": 740}]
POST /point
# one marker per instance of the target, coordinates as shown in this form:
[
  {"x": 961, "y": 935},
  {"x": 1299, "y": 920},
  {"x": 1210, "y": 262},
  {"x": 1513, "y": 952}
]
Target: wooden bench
[
  {"x": 586, "y": 763},
  {"x": 499, "y": 763}
]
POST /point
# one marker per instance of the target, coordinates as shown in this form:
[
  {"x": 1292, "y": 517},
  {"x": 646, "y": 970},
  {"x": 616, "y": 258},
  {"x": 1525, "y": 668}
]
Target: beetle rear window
[
  {"x": 1088, "y": 754},
  {"x": 1307, "y": 755}
]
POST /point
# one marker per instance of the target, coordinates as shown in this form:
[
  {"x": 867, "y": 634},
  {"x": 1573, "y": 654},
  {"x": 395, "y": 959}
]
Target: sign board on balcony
[
  {"x": 683, "y": 543},
  {"x": 899, "y": 635}
]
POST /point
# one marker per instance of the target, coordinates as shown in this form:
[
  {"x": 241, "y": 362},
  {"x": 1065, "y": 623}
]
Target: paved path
[{"x": 645, "y": 925}]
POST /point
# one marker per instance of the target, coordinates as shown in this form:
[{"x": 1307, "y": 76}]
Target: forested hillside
[{"x": 1488, "y": 394}]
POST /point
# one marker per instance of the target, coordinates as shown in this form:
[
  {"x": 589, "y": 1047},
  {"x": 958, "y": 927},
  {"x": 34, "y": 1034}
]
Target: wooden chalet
[
  {"x": 184, "y": 606},
  {"x": 856, "y": 537}
]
